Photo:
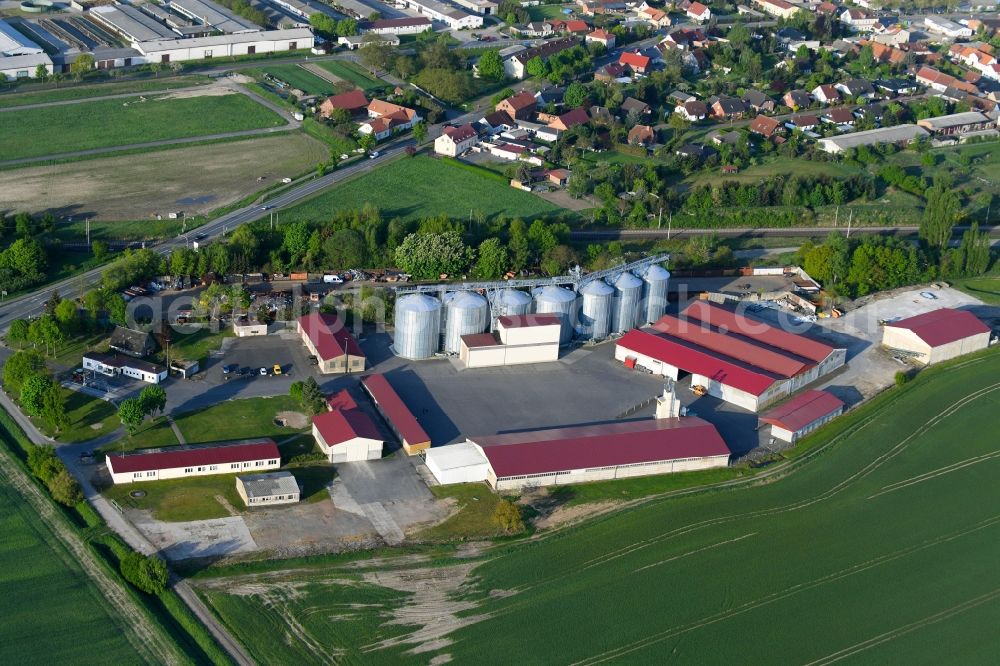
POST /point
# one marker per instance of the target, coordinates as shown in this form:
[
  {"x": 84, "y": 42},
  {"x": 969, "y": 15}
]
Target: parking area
[{"x": 242, "y": 359}]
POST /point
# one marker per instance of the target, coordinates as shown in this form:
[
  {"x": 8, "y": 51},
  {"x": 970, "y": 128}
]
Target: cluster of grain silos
[{"x": 426, "y": 325}]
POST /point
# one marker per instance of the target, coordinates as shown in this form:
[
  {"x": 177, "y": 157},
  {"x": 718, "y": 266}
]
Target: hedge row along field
[
  {"x": 108, "y": 123},
  {"x": 880, "y": 542}
]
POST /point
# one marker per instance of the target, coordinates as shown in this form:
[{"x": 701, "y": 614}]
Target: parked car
[
  {"x": 930, "y": 296},
  {"x": 263, "y": 372},
  {"x": 277, "y": 369},
  {"x": 228, "y": 368},
  {"x": 373, "y": 155}
]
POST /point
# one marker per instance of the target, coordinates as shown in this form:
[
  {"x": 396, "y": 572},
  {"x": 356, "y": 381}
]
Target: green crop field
[
  {"x": 302, "y": 79},
  {"x": 52, "y": 613},
  {"x": 876, "y": 542},
  {"x": 13, "y": 99},
  {"x": 352, "y": 73},
  {"x": 121, "y": 122},
  {"x": 411, "y": 188}
]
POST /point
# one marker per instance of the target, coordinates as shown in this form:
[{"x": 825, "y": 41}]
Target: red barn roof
[
  {"x": 343, "y": 425},
  {"x": 758, "y": 331},
  {"x": 341, "y": 400},
  {"x": 194, "y": 456},
  {"x": 400, "y": 418},
  {"x": 730, "y": 373},
  {"x": 939, "y": 327},
  {"x": 632, "y": 442},
  {"x": 803, "y": 409},
  {"x": 328, "y": 336}
]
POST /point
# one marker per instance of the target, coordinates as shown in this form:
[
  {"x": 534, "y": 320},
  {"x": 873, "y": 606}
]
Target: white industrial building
[
  {"x": 19, "y": 56},
  {"x": 110, "y": 365},
  {"x": 802, "y": 414},
  {"x": 943, "y": 26},
  {"x": 397, "y": 26},
  {"x": 180, "y": 462},
  {"x": 601, "y": 452},
  {"x": 901, "y": 134},
  {"x": 219, "y": 46},
  {"x": 457, "y": 463},
  {"x": 134, "y": 25},
  {"x": 450, "y": 15},
  {"x": 268, "y": 489},
  {"x": 937, "y": 336},
  {"x": 484, "y": 7},
  {"x": 518, "y": 340},
  {"x": 207, "y": 13},
  {"x": 741, "y": 361}
]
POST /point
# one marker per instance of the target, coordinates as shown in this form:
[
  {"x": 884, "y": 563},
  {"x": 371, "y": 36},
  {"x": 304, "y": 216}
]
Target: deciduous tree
[
  {"x": 491, "y": 65},
  {"x": 131, "y": 414}
]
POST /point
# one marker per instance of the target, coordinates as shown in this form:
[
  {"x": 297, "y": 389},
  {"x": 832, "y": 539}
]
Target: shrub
[
  {"x": 902, "y": 378},
  {"x": 508, "y": 517},
  {"x": 148, "y": 574},
  {"x": 65, "y": 489}
]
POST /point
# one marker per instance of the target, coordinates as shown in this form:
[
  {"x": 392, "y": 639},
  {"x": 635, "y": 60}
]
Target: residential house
[
  {"x": 838, "y": 116},
  {"x": 601, "y": 115},
  {"x": 895, "y": 36},
  {"x": 765, "y": 126},
  {"x": 797, "y": 99},
  {"x": 386, "y": 118},
  {"x": 326, "y": 338},
  {"x": 613, "y": 72},
  {"x": 692, "y": 110},
  {"x": 887, "y": 54},
  {"x": 679, "y": 97},
  {"x": 496, "y": 122},
  {"x": 932, "y": 78},
  {"x": 875, "y": 110},
  {"x": 570, "y": 119},
  {"x": 354, "y": 102},
  {"x": 695, "y": 151},
  {"x": 855, "y": 89},
  {"x": 719, "y": 138},
  {"x": 858, "y": 20},
  {"x": 552, "y": 96},
  {"x": 138, "y": 344},
  {"x": 641, "y": 135},
  {"x": 978, "y": 59},
  {"x": 728, "y": 108},
  {"x": 533, "y": 29},
  {"x": 779, "y": 8},
  {"x": 595, "y": 7},
  {"x": 758, "y": 101},
  {"x": 635, "y": 106},
  {"x": 803, "y": 122},
  {"x": 602, "y": 37},
  {"x": 456, "y": 140},
  {"x": 657, "y": 18},
  {"x": 827, "y": 9},
  {"x": 826, "y": 94},
  {"x": 685, "y": 38},
  {"x": 521, "y": 106},
  {"x": 572, "y": 27},
  {"x": 558, "y": 177},
  {"x": 638, "y": 63},
  {"x": 514, "y": 151},
  {"x": 514, "y": 65},
  {"x": 699, "y": 12}
]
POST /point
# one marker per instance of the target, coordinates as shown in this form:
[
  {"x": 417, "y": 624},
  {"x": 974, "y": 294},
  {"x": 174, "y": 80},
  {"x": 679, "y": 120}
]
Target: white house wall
[{"x": 195, "y": 470}]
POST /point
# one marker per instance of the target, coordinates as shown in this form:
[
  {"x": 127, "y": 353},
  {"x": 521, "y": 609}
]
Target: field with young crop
[
  {"x": 418, "y": 187},
  {"x": 52, "y": 612},
  {"x": 108, "y": 123},
  {"x": 877, "y": 542},
  {"x": 301, "y": 79}
]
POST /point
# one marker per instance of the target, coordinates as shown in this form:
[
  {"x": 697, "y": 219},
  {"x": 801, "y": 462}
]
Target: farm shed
[
  {"x": 268, "y": 489},
  {"x": 333, "y": 345},
  {"x": 396, "y": 414},
  {"x": 938, "y": 335},
  {"x": 602, "y": 452},
  {"x": 185, "y": 461},
  {"x": 457, "y": 463},
  {"x": 347, "y": 435},
  {"x": 802, "y": 414},
  {"x": 518, "y": 340}
]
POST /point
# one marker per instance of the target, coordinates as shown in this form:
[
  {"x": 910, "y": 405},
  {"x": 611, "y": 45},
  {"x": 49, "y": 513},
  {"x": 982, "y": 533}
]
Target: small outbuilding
[
  {"x": 938, "y": 335},
  {"x": 268, "y": 489},
  {"x": 457, "y": 463},
  {"x": 802, "y": 414},
  {"x": 244, "y": 327}
]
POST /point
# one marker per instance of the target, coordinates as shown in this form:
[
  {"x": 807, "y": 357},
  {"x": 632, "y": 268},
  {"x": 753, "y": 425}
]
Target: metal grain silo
[
  {"x": 628, "y": 300},
  {"x": 595, "y": 310},
  {"x": 467, "y": 313},
  {"x": 656, "y": 281},
  {"x": 512, "y": 302},
  {"x": 418, "y": 326},
  {"x": 559, "y": 301}
]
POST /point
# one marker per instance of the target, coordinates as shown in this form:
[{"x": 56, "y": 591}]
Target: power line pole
[{"x": 849, "y": 220}]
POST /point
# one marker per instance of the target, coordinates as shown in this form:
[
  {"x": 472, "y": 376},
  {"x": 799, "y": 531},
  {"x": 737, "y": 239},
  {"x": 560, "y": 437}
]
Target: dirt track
[{"x": 136, "y": 187}]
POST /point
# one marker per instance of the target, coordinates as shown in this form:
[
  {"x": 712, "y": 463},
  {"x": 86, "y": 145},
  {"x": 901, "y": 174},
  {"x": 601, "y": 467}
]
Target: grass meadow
[
  {"x": 122, "y": 122},
  {"x": 301, "y": 79},
  {"x": 74, "y": 92},
  {"x": 352, "y": 73},
  {"x": 411, "y": 189},
  {"x": 877, "y": 541}
]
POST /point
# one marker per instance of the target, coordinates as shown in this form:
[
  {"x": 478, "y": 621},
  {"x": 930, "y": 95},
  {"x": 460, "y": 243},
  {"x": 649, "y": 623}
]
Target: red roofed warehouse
[
  {"x": 180, "y": 462},
  {"x": 601, "y": 452},
  {"x": 802, "y": 414},
  {"x": 347, "y": 435},
  {"x": 742, "y": 361},
  {"x": 334, "y": 347},
  {"x": 938, "y": 335},
  {"x": 396, "y": 414}
]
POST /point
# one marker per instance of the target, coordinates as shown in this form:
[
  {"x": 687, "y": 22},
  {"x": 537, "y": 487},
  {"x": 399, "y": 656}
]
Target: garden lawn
[
  {"x": 784, "y": 166},
  {"x": 301, "y": 79},
  {"x": 352, "y": 73},
  {"x": 52, "y": 613},
  {"x": 418, "y": 187},
  {"x": 88, "y": 417},
  {"x": 237, "y": 419},
  {"x": 178, "y": 500},
  {"x": 986, "y": 289},
  {"x": 9, "y": 100},
  {"x": 121, "y": 122},
  {"x": 196, "y": 346}
]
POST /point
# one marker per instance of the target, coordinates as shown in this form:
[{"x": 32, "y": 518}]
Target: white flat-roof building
[
  {"x": 268, "y": 489},
  {"x": 484, "y": 7},
  {"x": 899, "y": 134},
  {"x": 110, "y": 365},
  {"x": 518, "y": 340},
  {"x": 450, "y": 15},
  {"x": 943, "y": 26},
  {"x": 130, "y": 23},
  {"x": 19, "y": 56},
  {"x": 218, "y": 46},
  {"x": 208, "y": 13},
  {"x": 457, "y": 463}
]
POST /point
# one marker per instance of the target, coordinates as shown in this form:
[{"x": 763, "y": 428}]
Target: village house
[
  {"x": 386, "y": 118},
  {"x": 631, "y": 105},
  {"x": 858, "y": 20},
  {"x": 797, "y": 99},
  {"x": 641, "y": 135},
  {"x": 728, "y": 108},
  {"x": 521, "y": 106},
  {"x": 456, "y": 140},
  {"x": 692, "y": 110},
  {"x": 656, "y": 18},
  {"x": 826, "y": 94},
  {"x": 138, "y": 344},
  {"x": 856, "y": 89},
  {"x": 765, "y": 126},
  {"x": 779, "y": 8},
  {"x": 636, "y": 62},
  {"x": 758, "y": 101},
  {"x": 570, "y": 119},
  {"x": 838, "y": 116},
  {"x": 514, "y": 65},
  {"x": 699, "y": 12},
  {"x": 602, "y": 37},
  {"x": 353, "y": 102}
]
